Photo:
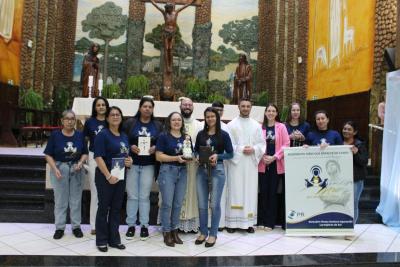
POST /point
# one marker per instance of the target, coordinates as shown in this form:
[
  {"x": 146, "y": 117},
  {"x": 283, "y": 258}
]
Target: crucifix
[{"x": 170, "y": 26}]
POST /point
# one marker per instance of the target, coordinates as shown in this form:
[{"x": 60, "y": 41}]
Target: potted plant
[{"x": 32, "y": 101}]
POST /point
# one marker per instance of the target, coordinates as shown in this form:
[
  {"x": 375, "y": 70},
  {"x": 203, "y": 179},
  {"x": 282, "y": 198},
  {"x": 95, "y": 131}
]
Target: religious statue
[
  {"x": 169, "y": 31},
  {"x": 90, "y": 67},
  {"x": 187, "y": 148},
  {"x": 242, "y": 81}
]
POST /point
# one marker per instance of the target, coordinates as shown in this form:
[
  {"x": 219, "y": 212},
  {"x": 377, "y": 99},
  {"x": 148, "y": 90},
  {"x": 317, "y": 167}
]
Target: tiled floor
[{"x": 36, "y": 239}]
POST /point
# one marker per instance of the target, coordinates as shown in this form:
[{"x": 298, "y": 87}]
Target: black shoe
[
  {"x": 144, "y": 233},
  {"x": 250, "y": 230},
  {"x": 58, "y": 234},
  {"x": 199, "y": 241},
  {"x": 221, "y": 229},
  {"x": 130, "y": 233},
  {"x": 102, "y": 248},
  {"x": 209, "y": 245},
  {"x": 119, "y": 246},
  {"x": 231, "y": 230},
  {"x": 77, "y": 232}
]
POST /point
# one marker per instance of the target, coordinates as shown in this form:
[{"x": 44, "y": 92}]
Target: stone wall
[
  {"x": 385, "y": 36},
  {"x": 202, "y": 40},
  {"x": 134, "y": 37},
  {"x": 282, "y": 40},
  {"x": 50, "y": 25}
]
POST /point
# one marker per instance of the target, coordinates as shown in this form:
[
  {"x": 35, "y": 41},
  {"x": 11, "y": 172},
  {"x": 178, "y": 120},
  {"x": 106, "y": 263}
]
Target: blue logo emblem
[{"x": 316, "y": 179}]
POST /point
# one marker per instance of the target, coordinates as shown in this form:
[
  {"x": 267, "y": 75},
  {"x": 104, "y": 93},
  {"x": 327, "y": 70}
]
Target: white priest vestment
[
  {"x": 189, "y": 219},
  {"x": 242, "y": 184}
]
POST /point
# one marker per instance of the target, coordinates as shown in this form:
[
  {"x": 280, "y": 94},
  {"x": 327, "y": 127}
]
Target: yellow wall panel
[
  {"x": 341, "y": 47},
  {"x": 10, "y": 48}
]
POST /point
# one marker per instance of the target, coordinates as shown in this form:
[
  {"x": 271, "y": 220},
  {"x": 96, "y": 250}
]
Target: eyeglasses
[
  {"x": 69, "y": 118},
  {"x": 115, "y": 115}
]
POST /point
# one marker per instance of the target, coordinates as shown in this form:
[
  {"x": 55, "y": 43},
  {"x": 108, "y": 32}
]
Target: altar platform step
[{"x": 23, "y": 197}]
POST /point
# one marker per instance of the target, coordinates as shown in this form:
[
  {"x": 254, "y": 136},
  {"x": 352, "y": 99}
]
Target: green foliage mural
[
  {"x": 137, "y": 86},
  {"x": 242, "y": 34},
  {"x": 105, "y": 22},
  {"x": 111, "y": 91}
]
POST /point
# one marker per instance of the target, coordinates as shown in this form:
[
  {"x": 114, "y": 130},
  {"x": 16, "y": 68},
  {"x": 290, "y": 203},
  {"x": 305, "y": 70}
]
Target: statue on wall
[
  {"x": 169, "y": 31},
  {"x": 90, "y": 67},
  {"x": 242, "y": 82}
]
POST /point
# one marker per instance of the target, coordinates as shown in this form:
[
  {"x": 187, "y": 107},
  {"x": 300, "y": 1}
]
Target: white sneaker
[{"x": 267, "y": 229}]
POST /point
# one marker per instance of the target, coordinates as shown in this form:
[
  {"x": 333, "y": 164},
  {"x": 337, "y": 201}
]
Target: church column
[
  {"x": 135, "y": 35},
  {"x": 40, "y": 46},
  {"x": 27, "y": 53},
  {"x": 64, "y": 53},
  {"x": 49, "y": 56},
  {"x": 385, "y": 36},
  {"x": 262, "y": 58},
  {"x": 283, "y": 28},
  {"x": 202, "y": 40}
]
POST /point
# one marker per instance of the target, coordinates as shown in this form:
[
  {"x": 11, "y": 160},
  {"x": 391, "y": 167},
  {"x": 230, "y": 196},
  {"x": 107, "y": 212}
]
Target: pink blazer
[{"x": 281, "y": 140}]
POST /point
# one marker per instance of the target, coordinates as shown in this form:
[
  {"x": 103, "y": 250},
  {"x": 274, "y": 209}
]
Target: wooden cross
[{"x": 177, "y": 2}]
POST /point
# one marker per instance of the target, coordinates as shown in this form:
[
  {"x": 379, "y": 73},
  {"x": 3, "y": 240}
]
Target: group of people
[{"x": 237, "y": 169}]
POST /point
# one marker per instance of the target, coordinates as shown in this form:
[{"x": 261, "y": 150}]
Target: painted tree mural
[
  {"x": 241, "y": 34},
  {"x": 106, "y": 23}
]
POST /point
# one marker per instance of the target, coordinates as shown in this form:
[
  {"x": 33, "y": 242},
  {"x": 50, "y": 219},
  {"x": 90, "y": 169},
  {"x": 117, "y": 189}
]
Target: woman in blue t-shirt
[
  {"x": 172, "y": 177},
  {"x": 220, "y": 146},
  {"x": 297, "y": 127},
  {"x": 93, "y": 126},
  {"x": 65, "y": 152},
  {"x": 111, "y": 152},
  {"x": 139, "y": 179},
  {"x": 322, "y": 135}
]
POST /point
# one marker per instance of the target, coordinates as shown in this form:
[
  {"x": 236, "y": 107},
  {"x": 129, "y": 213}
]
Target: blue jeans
[
  {"x": 358, "y": 188},
  {"x": 217, "y": 179},
  {"x": 139, "y": 180},
  {"x": 172, "y": 181},
  {"x": 67, "y": 192}
]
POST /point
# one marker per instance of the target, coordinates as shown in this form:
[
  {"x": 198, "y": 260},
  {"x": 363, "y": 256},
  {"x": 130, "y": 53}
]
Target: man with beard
[
  {"x": 90, "y": 67},
  {"x": 242, "y": 185},
  {"x": 190, "y": 212}
]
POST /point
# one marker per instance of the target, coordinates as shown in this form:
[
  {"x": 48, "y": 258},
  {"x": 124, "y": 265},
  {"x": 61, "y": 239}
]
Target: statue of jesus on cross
[{"x": 170, "y": 17}]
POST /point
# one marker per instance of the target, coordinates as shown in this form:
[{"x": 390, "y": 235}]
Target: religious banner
[{"x": 319, "y": 191}]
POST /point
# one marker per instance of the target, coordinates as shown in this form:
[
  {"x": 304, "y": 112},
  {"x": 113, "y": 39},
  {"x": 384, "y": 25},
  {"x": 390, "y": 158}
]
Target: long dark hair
[
  {"x": 94, "y": 112},
  {"x": 354, "y": 126},
  {"x": 218, "y": 122},
  {"x": 168, "y": 123},
  {"x": 277, "y": 118},
  {"x": 321, "y": 111},
  {"x": 289, "y": 118},
  {"x": 141, "y": 103},
  {"x": 122, "y": 117},
  {"x": 204, "y": 133}
]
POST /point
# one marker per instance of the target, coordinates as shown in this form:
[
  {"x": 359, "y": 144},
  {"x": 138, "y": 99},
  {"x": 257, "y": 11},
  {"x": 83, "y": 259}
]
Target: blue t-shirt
[
  {"x": 303, "y": 127},
  {"x": 143, "y": 129},
  {"x": 222, "y": 147},
  {"x": 92, "y": 127},
  {"x": 170, "y": 146},
  {"x": 66, "y": 148},
  {"x": 109, "y": 146},
  {"x": 315, "y": 138},
  {"x": 270, "y": 139}
]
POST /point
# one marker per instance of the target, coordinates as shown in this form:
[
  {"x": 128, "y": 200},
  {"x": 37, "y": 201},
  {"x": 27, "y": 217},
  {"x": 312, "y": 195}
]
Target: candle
[
  {"x": 90, "y": 82},
  {"x": 100, "y": 86}
]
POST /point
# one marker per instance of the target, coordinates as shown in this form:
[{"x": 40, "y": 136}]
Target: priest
[{"x": 242, "y": 185}]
